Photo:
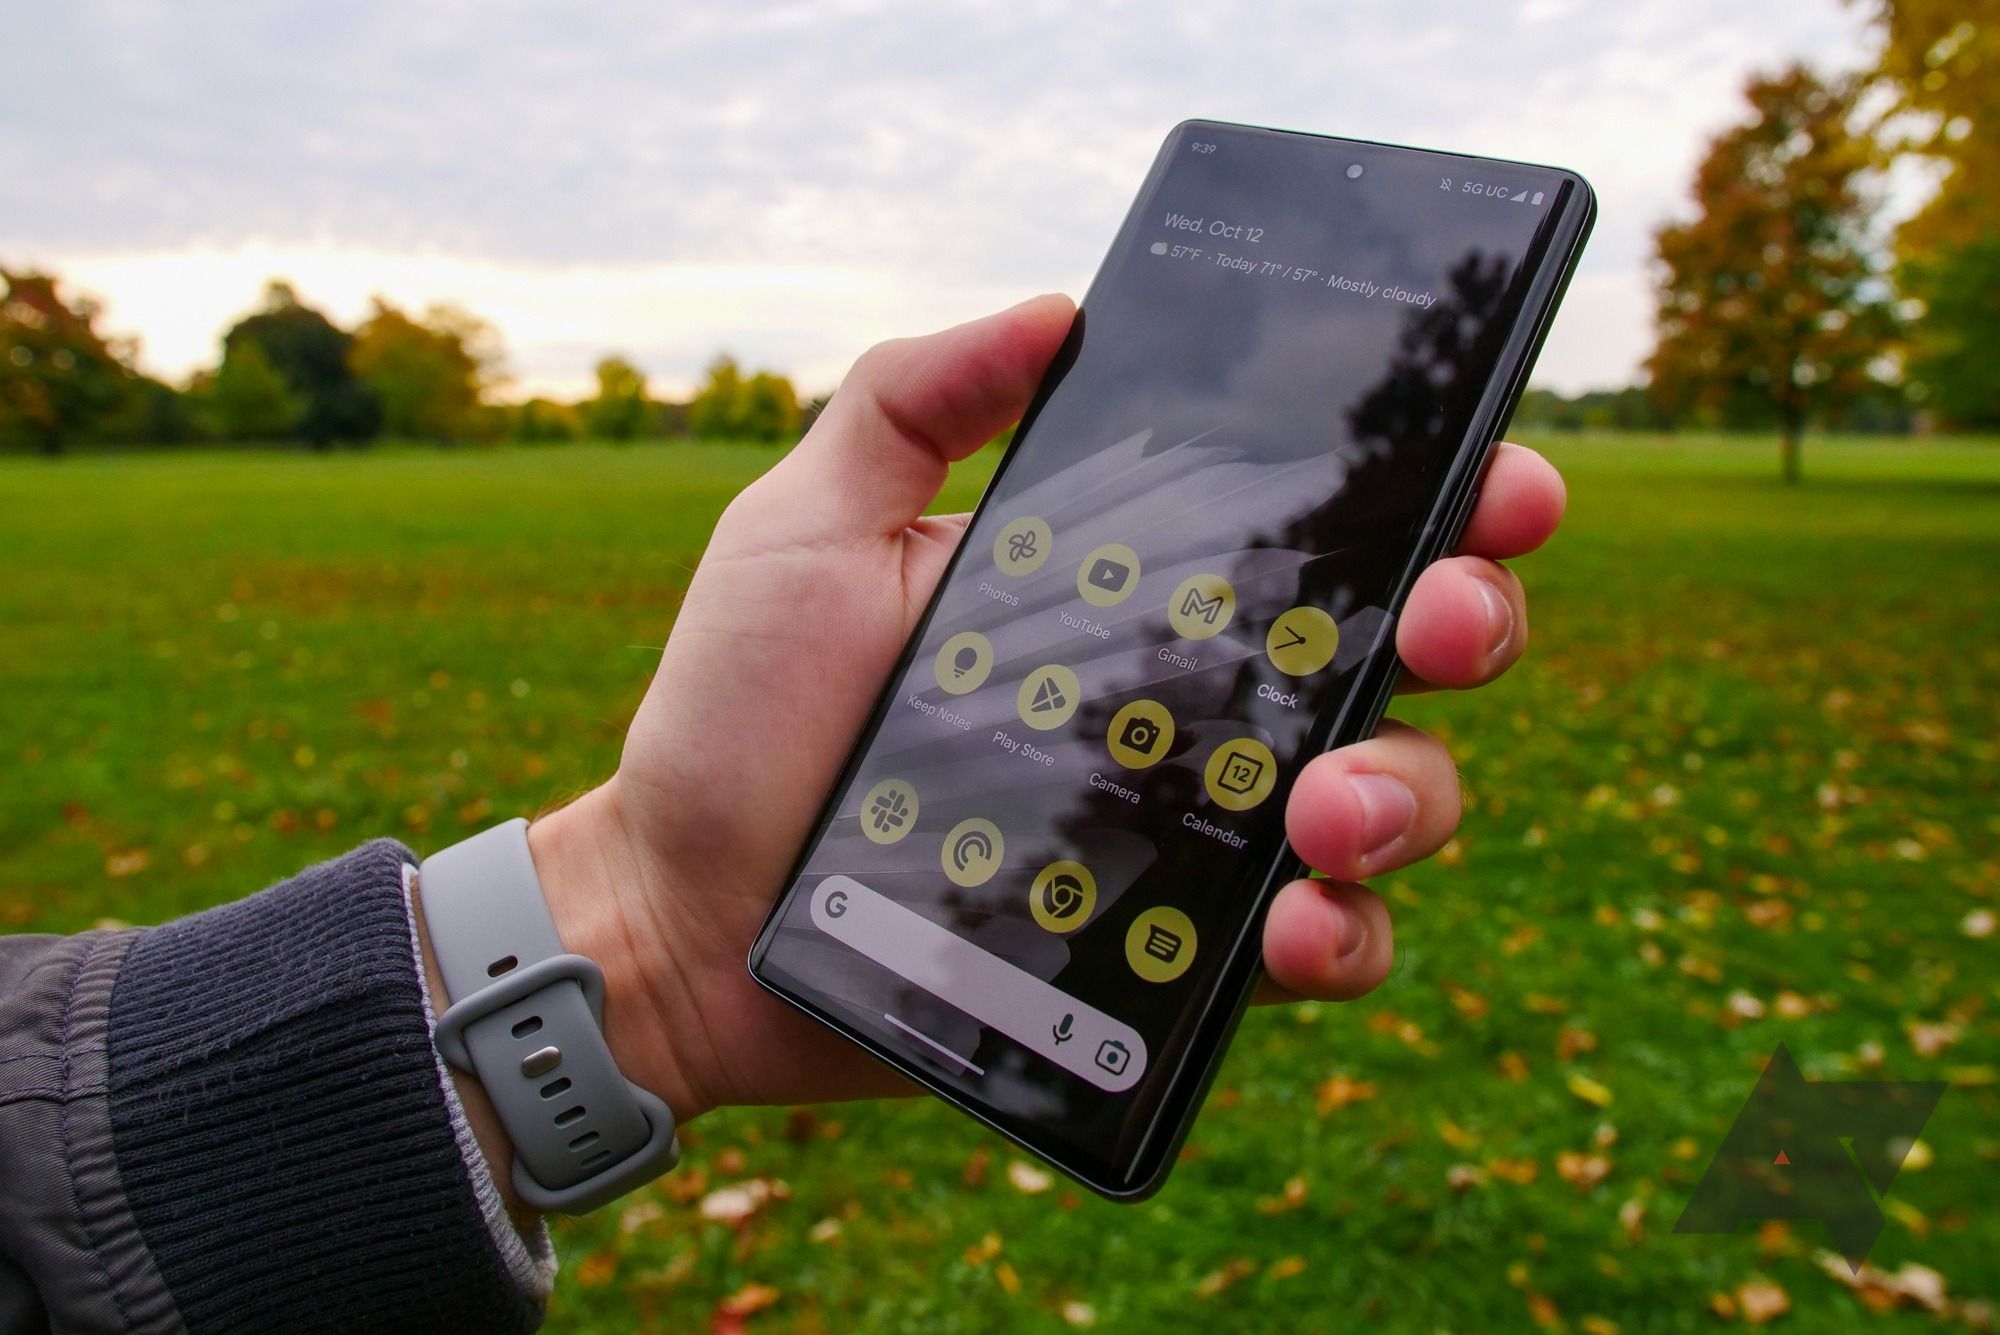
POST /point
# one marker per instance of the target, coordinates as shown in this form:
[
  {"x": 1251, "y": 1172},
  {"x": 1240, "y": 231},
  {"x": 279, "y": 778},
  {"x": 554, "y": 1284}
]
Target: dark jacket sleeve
[{"x": 237, "y": 1122}]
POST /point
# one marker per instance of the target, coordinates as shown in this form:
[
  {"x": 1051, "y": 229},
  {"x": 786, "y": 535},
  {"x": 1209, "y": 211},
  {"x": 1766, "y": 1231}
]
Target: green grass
[{"x": 1753, "y": 752}]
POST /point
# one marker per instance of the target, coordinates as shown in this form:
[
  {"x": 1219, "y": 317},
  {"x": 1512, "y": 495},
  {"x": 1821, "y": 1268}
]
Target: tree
[
  {"x": 428, "y": 375},
  {"x": 250, "y": 399},
  {"x": 543, "y": 420},
  {"x": 310, "y": 353},
  {"x": 621, "y": 410},
  {"x": 712, "y": 412},
  {"x": 1771, "y": 305},
  {"x": 1941, "y": 60},
  {"x": 58, "y": 376},
  {"x": 729, "y": 406}
]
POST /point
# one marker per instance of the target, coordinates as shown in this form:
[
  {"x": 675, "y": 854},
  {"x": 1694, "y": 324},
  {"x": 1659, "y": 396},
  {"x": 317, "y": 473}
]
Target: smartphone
[{"x": 1039, "y": 884}]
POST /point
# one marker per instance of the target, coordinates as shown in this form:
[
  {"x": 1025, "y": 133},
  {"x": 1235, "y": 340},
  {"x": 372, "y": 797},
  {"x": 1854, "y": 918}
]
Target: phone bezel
[{"x": 1141, "y": 1173}]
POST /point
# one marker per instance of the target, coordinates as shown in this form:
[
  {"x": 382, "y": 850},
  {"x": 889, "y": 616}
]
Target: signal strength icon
[{"x": 1518, "y": 198}]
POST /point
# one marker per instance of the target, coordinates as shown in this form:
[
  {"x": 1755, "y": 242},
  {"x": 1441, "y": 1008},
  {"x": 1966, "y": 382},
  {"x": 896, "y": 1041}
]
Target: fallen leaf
[
  {"x": 1582, "y": 1171},
  {"x": 1543, "y": 1310},
  {"x": 639, "y": 1215},
  {"x": 1979, "y": 924},
  {"x": 1339, "y": 1092},
  {"x": 1009, "y": 1278},
  {"x": 597, "y": 1268},
  {"x": 1590, "y": 1091},
  {"x": 1931, "y": 1039},
  {"x": 738, "y": 1204},
  {"x": 975, "y": 1166},
  {"x": 1571, "y": 1043},
  {"x": 1028, "y": 1179},
  {"x": 1467, "y": 1002},
  {"x": 1518, "y": 1171},
  {"x": 1287, "y": 1267},
  {"x": 1293, "y": 1196},
  {"x": 1079, "y": 1313},
  {"x": 1217, "y": 1280},
  {"x": 1513, "y": 1066},
  {"x": 1760, "y": 1301},
  {"x": 732, "y": 1312},
  {"x": 1881, "y": 1290}
]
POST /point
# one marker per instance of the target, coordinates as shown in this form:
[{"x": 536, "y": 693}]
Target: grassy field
[{"x": 1743, "y": 791}]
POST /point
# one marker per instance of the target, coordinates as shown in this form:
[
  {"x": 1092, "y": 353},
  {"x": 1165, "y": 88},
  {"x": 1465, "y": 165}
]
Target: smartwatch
[{"x": 527, "y": 1019}]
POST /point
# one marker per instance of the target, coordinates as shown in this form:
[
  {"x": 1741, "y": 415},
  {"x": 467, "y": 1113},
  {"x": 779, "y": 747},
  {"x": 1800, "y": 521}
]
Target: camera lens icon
[{"x": 1140, "y": 734}]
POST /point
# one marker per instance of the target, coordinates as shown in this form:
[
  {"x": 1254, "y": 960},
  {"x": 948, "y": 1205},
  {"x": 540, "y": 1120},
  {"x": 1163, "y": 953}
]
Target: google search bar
[{"x": 1039, "y": 1016}]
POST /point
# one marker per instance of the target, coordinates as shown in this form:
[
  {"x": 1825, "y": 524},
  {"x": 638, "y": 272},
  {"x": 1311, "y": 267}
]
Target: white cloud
[{"x": 789, "y": 181}]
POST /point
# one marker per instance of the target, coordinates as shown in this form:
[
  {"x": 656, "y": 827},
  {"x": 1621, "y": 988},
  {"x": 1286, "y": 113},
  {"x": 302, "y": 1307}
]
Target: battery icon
[{"x": 1537, "y": 199}]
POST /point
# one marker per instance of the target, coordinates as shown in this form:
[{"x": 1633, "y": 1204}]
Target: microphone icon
[{"x": 1061, "y": 1031}]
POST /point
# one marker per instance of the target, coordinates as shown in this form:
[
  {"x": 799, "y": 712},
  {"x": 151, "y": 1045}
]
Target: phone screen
[{"x": 1065, "y": 817}]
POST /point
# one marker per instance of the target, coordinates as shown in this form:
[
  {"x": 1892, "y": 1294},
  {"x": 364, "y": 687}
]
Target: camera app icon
[{"x": 1140, "y": 734}]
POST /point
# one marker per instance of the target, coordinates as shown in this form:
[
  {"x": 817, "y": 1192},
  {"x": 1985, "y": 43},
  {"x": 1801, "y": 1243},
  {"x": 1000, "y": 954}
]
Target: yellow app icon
[
  {"x": 1240, "y": 773},
  {"x": 972, "y": 852},
  {"x": 1159, "y": 945},
  {"x": 1048, "y": 697},
  {"x": 1302, "y": 641},
  {"x": 1108, "y": 575},
  {"x": 889, "y": 811},
  {"x": 1201, "y": 607},
  {"x": 1140, "y": 734},
  {"x": 1062, "y": 896},
  {"x": 963, "y": 661},
  {"x": 1022, "y": 546}
]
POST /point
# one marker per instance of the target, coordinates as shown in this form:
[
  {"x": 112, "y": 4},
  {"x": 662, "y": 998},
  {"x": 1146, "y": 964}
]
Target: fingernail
[
  {"x": 1387, "y": 809},
  {"x": 1499, "y": 617},
  {"x": 1353, "y": 929}
]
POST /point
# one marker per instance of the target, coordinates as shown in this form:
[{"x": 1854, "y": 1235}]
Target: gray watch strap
[{"x": 526, "y": 1019}]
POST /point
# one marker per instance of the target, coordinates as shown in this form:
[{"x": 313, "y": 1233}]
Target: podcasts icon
[{"x": 972, "y": 852}]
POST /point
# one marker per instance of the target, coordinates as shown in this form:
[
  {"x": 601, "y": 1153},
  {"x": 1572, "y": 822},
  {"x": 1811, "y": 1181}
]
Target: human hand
[{"x": 813, "y": 581}]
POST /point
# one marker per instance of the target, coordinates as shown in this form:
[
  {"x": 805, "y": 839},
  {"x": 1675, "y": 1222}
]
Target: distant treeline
[
  {"x": 287, "y": 373},
  {"x": 1638, "y": 408}
]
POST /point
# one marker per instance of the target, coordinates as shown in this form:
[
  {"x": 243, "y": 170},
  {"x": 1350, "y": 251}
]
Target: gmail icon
[{"x": 1202, "y": 606}]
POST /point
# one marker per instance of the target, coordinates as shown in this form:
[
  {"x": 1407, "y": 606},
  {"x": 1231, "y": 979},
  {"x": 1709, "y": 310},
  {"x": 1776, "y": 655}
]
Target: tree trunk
[{"x": 1791, "y": 425}]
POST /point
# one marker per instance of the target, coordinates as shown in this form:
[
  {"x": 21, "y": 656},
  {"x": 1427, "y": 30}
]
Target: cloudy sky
[{"x": 789, "y": 181}]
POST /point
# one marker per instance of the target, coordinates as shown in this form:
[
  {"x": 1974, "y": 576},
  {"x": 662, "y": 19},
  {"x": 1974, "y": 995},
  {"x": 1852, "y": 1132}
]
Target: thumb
[{"x": 907, "y": 410}]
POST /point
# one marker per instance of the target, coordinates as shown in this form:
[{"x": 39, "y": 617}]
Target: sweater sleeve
[{"x": 252, "y": 1127}]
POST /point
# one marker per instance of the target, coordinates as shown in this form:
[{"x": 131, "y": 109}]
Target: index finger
[{"x": 1520, "y": 503}]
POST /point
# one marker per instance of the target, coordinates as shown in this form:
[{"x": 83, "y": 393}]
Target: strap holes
[
  {"x": 601, "y": 1156},
  {"x": 570, "y": 1116},
  {"x": 585, "y": 1141},
  {"x": 556, "y": 1088},
  {"x": 531, "y": 1025},
  {"x": 500, "y": 966}
]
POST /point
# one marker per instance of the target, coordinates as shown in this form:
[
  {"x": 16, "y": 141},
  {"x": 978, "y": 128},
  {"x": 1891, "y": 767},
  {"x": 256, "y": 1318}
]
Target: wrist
[
  {"x": 602, "y": 890},
  {"x": 590, "y": 879}
]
